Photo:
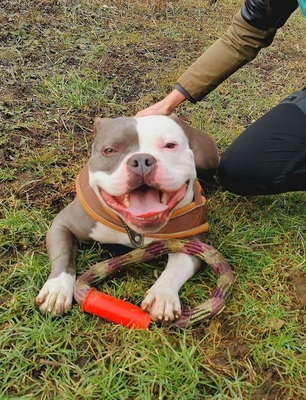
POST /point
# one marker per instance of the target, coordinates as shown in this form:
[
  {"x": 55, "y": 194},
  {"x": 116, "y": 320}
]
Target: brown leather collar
[{"x": 186, "y": 221}]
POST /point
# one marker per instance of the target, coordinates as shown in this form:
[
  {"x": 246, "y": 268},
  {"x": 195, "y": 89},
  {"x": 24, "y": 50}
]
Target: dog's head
[{"x": 143, "y": 168}]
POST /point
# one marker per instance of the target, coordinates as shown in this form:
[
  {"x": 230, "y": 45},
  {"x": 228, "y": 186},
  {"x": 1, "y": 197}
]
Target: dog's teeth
[
  {"x": 152, "y": 218},
  {"x": 163, "y": 199},
  {"x": 126, "y": 200}
]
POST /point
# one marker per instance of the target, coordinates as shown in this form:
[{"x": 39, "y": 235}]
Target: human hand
[
  {"x": 165, "y": 106},
  {"x": 156, "y": 109}
]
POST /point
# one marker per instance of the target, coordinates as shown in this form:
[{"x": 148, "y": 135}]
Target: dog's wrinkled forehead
[{"x": 116, "y": 137}]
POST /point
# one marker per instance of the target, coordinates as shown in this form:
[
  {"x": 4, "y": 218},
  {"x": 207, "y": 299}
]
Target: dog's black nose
[{"x": 141, "y": 164}]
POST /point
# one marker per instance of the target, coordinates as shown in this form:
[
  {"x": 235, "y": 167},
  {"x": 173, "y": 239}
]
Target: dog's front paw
[
  {"x": 55, "y": 297},
  {"x": 162, "y": 304}
]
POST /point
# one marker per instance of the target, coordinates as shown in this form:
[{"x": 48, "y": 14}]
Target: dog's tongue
[{"x": 146, "y": 202}]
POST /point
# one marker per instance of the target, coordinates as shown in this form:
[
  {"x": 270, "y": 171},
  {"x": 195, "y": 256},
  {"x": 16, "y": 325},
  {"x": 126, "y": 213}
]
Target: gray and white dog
[{"x": 141, "y": 171}]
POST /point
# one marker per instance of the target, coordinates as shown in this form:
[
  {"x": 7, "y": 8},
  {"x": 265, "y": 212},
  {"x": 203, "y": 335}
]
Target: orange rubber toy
[{"x": 115, "y": 310}]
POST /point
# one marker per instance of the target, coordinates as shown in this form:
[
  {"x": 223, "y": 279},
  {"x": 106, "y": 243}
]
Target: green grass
[
  {"x": 75, "y": 91},
  {"x": 62, "y": 64}
]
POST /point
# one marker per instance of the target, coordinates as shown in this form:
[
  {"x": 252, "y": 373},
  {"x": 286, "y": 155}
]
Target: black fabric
[
  {"x": 269, "y": 157},
  {"x": 262, "y": 16},
  {"x": 185, "y": 93}
]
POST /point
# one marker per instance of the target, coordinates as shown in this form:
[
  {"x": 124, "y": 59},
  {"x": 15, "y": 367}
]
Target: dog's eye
[
  {"x": 108, "y": 151},
  {"x": 170, "y": 145}
]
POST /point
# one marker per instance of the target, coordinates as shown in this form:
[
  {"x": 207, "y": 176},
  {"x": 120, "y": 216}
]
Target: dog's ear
[
  {"x": 204, "y": 148},
  {"x": 100, "y": 124}
]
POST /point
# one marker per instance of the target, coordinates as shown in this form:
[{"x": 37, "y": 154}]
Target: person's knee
[
  {"x": 229, "y": 174},
  {"x": 238, "y": 174}
]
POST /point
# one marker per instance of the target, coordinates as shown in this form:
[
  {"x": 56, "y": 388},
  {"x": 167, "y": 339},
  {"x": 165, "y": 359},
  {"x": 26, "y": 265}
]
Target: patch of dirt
[
  {"x": 298, "y": 280},
  {"x": 269, "y": 389}
]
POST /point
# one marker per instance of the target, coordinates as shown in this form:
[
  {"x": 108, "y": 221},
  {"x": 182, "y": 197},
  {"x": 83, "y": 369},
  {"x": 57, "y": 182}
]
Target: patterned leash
[{"x": 213, "y": 306}]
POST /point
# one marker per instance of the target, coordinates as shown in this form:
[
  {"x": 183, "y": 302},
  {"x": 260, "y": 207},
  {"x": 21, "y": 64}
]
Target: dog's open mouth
[{"x": 145, "y": 208}]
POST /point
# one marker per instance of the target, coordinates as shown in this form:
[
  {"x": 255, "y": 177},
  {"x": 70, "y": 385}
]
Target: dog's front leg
[
  {"x": 55, "y": 297},
  {"x": 162, "y": 300}
]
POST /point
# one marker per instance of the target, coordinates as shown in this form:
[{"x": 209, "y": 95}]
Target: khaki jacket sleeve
[{"x": 239, "y": 45}]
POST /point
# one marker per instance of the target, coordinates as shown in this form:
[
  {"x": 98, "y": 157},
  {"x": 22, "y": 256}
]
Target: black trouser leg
[{"x": 269, "y": 157}]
